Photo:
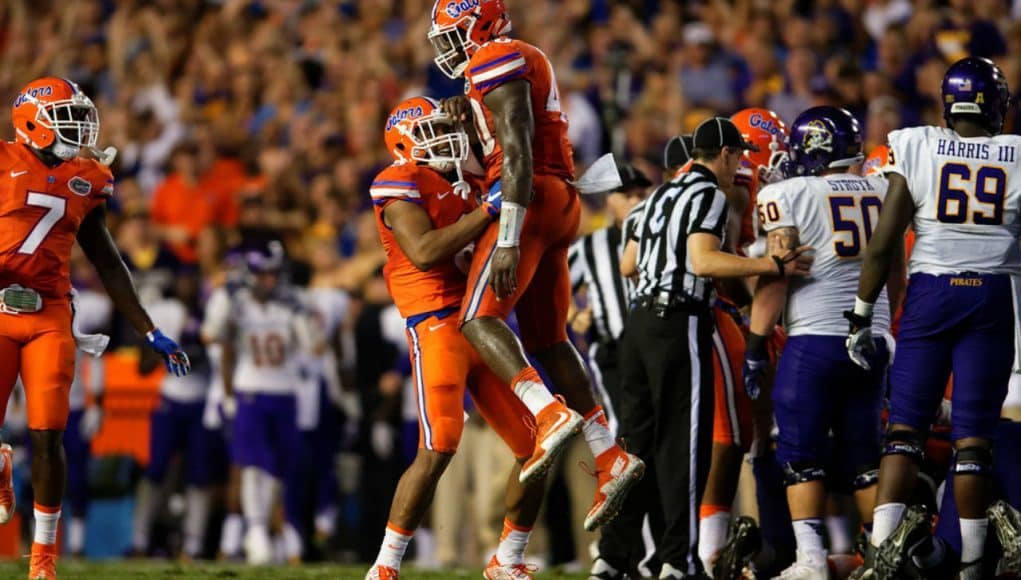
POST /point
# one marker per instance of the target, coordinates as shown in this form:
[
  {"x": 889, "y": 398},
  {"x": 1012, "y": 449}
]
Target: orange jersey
[
  {"x": 443, "y": 285},
  {"x": 504, "y": 60},
  {"x": 41, "y": 208}
]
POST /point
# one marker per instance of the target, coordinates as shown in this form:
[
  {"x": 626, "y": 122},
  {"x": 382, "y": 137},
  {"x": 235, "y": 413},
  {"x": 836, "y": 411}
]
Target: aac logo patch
[{"x": 79, "y": 186}]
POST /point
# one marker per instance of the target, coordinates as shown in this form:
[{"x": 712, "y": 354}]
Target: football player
[
  {"x": 424, "y": 222},
  {"x": 817, "y": 390},
  {"x": 262, "y": 328},
  {"x": 956, "y": 187},
  {"x": 51, "y": 196},
  {"x": 520, "y": 262}
]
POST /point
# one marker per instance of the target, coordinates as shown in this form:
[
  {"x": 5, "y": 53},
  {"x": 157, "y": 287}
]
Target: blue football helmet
[
  {"x": 976, "y": 86},
  {"x": 823, "y": 138}
]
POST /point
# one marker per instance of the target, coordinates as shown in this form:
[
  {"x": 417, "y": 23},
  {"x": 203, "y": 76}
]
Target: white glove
[
  {"x": 92, "y": 421},
  {"x": 382, "y": 439},
  {"x": 860, "y": 345},
  {"x": 229, "y": 406}
]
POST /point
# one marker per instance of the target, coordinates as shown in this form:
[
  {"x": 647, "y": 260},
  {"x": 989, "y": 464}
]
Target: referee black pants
[{"x": 666, "y": 418}]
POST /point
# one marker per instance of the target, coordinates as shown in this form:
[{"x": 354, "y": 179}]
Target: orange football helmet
[
  {"x": 460, "y": 27},
  {"x": 763, "y": 128},
  {"x": 53, "y": 112},
  {"x": 419, "y": 131},
  {"x": 878, "y": 161}
]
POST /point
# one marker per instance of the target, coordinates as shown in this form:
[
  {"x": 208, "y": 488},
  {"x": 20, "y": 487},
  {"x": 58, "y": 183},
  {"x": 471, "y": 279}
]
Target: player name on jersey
[{"x": 978, "y": 151}]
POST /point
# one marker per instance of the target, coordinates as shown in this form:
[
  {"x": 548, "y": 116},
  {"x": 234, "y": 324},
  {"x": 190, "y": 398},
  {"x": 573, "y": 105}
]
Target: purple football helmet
[
  {"x": 976, "y": 86},
  {"x": 823, "y": 138}
]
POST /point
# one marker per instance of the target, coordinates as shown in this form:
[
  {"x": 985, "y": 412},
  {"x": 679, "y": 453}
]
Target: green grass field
[{"x": 70, "y": 570}]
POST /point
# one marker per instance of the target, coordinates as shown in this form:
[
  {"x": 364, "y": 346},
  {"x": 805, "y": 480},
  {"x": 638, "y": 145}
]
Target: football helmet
[
  {"x": 823, "y": 138},
  {"x": 54, "y": 114},
  {"x": 878, "y": 161},
  {"x": 976, "y": 86},
  {"x": 765, "y": 129},
  {"x": 419, "y": 131},
  {"x": 264, "y": 268},
  {"x": 460, "y": 27}
]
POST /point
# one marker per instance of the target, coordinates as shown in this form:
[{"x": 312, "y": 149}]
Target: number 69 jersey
[
  {"x": 835, "y": 214},
  {"x": 41, "y": 208},
  {"x": 967, "y": 193}
]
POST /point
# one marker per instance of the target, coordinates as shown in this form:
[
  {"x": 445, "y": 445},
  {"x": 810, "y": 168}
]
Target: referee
[{"x": 666, "y": 414}]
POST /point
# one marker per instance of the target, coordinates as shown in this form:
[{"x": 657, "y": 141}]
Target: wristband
[
  {"x": 756, "y": 344},
  {"x": 512, "y": 218},
  {"x": 862, "y": 308}
]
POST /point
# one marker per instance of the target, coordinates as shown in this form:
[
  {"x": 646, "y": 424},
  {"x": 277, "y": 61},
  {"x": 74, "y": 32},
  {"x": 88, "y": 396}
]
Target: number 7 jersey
[{"x": 967, "y": 193}]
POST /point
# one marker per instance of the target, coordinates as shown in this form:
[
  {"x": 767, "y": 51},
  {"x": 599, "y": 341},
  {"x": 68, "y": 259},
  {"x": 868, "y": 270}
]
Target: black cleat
[
  {"x": 1007, "y": 522},
  {"x": 892, "y": 554},
  {"x": 744, "y": 542}
]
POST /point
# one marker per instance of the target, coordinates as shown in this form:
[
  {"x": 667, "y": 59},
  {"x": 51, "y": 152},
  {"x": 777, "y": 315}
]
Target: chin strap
[{"x": 461, "y": 187}]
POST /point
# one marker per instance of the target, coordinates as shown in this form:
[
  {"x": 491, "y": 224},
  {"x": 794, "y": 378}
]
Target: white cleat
[
  {"x": 807, "y": 567},
  {"x": 258, "y": 547}
]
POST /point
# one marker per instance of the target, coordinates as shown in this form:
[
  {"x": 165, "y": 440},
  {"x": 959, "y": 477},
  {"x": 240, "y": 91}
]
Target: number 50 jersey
[
  {"x": 835, "y": 214},
  {"x": 967, "y": 193}
]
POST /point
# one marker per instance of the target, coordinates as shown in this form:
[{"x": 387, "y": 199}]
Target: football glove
[
  {"x": 494, "y": 201},
  {"x": 860, "y": 344},
  {"x": 174, "y": 357}
]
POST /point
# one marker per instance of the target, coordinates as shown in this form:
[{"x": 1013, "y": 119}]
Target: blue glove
[
  {"x": 494, "y": 201},
  {"x": 754, "y": 371},
  {"x": 173, "y": 357}
]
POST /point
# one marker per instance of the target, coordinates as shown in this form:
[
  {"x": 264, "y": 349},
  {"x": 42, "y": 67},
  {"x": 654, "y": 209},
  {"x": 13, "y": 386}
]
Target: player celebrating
[
  {"x": 424, "y": 222},
  {"x": 817, "y": 389},
  {"x": 955, "y": 187},
  {"x": 50, "y": 197},
  {"x": 520, "y": 263}
]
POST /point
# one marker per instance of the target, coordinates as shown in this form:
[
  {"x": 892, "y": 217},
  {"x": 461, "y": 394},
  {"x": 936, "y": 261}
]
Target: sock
[
  {"x": 513, "y": 542},
  {"x": 713, "y": 522},
  {"x": 195, "y": 516},
  {"x": 840, "y": 536},
  {"x": 255, "y": 504},
  {"x": 46, "y": 518},
  {"x": 884, "y": 520},
  {"x": 147, "y": 499},
  {"x": 326, "y": 521},
  {"x": 395, "y": 543},
  {"x": 973, "y": 539},
  {"x": 291, "y": 543},
  {"x": 76, "y": 535},
  {"x": 230, "y": 536},
  {"x": 808, "y": 535},
  {"x": 531, "y": 390},
  {"x": 597, "y": 432}
]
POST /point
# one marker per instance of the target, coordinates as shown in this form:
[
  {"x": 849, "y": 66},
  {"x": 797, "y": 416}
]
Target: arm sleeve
[{"x": 774, "y": 208}]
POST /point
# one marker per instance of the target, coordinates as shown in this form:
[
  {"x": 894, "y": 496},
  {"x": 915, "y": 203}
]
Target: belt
[
  {"x": 16, "y": 299},
  {"x": 663, "y": 303}
]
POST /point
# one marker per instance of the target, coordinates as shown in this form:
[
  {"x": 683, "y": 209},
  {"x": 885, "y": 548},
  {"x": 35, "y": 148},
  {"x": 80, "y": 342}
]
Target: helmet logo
[
  {"x": 980, "y": 98},
  {"x": 965, "y": 85},
  {"x": 33, "y": 93},
  {"x": 817, "y": 138},
  {"x": 764, "y": 123},
  {"x": 402, "y": 114},
  {"x": 459, "y": 7}
]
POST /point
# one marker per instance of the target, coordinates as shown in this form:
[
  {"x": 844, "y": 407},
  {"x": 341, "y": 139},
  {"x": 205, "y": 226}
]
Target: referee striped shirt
[
  {"x": 595, "y": 263},
  {"x": 689, "y": 204}
]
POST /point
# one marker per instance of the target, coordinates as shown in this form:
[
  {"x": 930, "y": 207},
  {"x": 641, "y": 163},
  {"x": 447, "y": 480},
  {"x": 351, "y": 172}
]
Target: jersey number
[
  {"x": 853, "y": 216},
  {"x": 55, "y": 209},
  {"x": 267, "y": 351},
  {"x": 988, "y": 187}
]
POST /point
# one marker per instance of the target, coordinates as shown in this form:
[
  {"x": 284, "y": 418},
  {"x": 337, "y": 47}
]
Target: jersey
[
  {"x": 328, "y": 308},
  {"x": 967, "y": 194},
  {"x": 503, "y": 60},
  {"x": 835, "y": 214},
  {"x": 41, "y": 208},
  {"x": 443, "y": 285}
]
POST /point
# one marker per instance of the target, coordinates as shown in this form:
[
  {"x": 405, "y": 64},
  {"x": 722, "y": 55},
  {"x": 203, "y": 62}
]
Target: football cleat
[
  {"x": 6, "y": 484},
  {"x": 744, "y": 542},
  {"x": 497, "y": 571},
  {"x": 891, "y": 555},
  {"x": 382, "y": 573},
  {"x": 617, "y": 471},
  {"x": 258, "y": 547},
  {"x": 1007, "y": 522},
  {"x": 43, "y": 562},
  {"x": 807, "y": 567},
  {"x": 555, "y": 426}
]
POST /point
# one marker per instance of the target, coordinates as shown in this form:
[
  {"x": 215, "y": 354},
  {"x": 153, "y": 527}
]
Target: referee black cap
[
  {"x": 677, "y": 152},
  {"x": 631, "y": 176},
  {"x": 717, "y": 133}
]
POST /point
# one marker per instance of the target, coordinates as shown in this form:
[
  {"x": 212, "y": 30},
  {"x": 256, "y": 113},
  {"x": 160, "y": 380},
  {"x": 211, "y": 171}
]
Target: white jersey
[
  {"x": 967, "y": 194},
  {"x": 93, "y": 313},
  {"x": 268, "y": 337},
  {"x": 835, "y": 214},
  {"x": 171, "y": 316},
  {"x": 328, "y": 308}
]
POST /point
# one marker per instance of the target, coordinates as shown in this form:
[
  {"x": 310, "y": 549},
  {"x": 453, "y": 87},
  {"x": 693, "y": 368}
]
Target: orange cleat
[
  {"x": 497, "y": 571},
  {"x": 43, "y": 563},
  {"x": 382, "y": 573},
  {"x": 616, "y": 473},
  {"x": 555, "y": 426},
  {"x": 6, "y": 484}
]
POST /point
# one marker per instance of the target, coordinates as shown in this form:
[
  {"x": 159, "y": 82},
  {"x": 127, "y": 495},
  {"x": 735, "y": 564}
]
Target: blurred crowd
[{"x": 243, "y": 121}]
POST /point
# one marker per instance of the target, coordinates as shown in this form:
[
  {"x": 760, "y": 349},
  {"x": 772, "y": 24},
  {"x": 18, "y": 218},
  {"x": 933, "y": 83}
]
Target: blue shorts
[
  {"x": 265, "y": 433},
  {"x": 177, "y": 428},
  {"x": 964, "y": 324},
  {"x": 819, "y": 390}
]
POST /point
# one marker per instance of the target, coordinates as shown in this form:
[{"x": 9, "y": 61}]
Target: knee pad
[
  {"x": 865, "y": 479},
  {"x": 795, "y": 472},
  {"x": 904, "y": 442},
  {"x": 974, "y": 460}
]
